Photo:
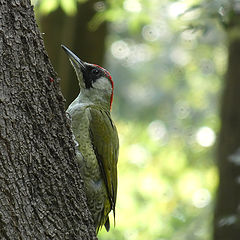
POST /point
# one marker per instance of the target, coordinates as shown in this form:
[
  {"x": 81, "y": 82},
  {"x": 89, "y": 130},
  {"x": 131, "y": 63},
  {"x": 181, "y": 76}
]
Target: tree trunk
[
  {"x": 227, "y": 212},
  {"x": 74, "y": 32},
  {"x": 41, "y": 193}
]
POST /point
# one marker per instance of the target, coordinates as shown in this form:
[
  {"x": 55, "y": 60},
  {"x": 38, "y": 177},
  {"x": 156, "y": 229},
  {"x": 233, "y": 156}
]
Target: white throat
[{"x": 99, "y": 94}]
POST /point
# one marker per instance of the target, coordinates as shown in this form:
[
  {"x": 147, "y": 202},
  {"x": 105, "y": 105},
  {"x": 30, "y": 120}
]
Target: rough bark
[
  {"x": 74, "y": 32},
  {"x": 41, "y": 194},
  {"x": 227, "y": 212}
]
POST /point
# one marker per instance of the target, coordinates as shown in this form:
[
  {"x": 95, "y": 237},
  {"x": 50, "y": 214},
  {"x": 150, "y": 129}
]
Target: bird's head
[{"x": 91, "y": 76}]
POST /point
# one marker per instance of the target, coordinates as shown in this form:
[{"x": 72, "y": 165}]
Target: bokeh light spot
[
  {"x": 139, "y": 53},
  {"x": 201, "y": 198},
  {"x": 120, "y": 49},
  {"x": 99, "y": 6},
  {"x": 182, "y": 110},
  {"x": 205, "y": 137},
  {"x": 132, "y": 5},
  {"x": 179, "y": 56},
  {"x": 235, "y": 157},
  {"x": 138, "y": 154},
  {"x": 228, "y": 220},
  {"x": 176, "y": 9},
  {"x": 150, "y": 33},
  {"x": 157, "y": 130}
]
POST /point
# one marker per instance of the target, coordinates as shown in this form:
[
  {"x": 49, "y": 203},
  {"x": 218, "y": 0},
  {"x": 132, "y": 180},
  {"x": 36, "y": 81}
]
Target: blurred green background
[{"x": 167, "y": 59}]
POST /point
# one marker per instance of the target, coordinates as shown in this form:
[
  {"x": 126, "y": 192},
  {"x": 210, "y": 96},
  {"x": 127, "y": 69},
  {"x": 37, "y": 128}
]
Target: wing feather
[{"x": 105, "y": 142}]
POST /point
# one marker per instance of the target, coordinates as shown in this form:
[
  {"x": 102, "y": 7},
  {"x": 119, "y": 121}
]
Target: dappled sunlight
[
  {"x": 179, "y": 56},
  {"x": 130, "y": 53},
  {"x": 152, "y": 33},
  {"x": 157, "y": 186},
  {"x": 205, "y": 136},
  {"x": 132, "y": 5},
  {"x": 201, "y": 198},
  {"x": 167, "y": 77},
  {"x": 120, "y": 49},
  {"x": 176, "y": 8},
  {"x": 157, "y": 130},
  {"x": 138, "y": 154}
]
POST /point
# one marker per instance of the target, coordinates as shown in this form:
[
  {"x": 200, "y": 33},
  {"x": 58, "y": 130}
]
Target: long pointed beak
[{"x": 75, "y": 60}]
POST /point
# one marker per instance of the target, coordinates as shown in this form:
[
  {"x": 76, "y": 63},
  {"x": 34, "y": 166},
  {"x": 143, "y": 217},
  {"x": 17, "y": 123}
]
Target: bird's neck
[{"x": 95, "y": 97}]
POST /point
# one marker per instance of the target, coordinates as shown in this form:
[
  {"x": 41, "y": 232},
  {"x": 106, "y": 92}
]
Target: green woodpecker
[{"x": 96, "y": 136}]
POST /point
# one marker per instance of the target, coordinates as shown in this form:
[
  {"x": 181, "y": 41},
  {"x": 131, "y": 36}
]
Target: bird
[{"x": 96, "y": 138}]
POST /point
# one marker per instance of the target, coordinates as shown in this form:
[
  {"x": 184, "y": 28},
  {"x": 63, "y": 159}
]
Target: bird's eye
[{"x": 95, "y": 71}]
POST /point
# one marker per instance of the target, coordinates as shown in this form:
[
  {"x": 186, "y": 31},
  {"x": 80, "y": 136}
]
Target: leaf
[
  {"x": 69, "y": 6},
  {"x": 192, "y": 8},
  {"x": 47, "y": 6}
]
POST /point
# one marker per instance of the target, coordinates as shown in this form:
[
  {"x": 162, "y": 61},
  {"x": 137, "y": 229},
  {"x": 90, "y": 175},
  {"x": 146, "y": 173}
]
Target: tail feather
[
  {"x": 107, "y": 224},
  {"x": 114, "y": 216}
]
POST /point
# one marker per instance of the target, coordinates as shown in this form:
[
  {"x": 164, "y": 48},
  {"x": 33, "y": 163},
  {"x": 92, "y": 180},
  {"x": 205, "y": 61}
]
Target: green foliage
[
  {"x": 222, "y": 10},
  {"x": 161, "y": 193},
  {"x": 48, "y": 6},
  {"x": 168, "y": 80}
]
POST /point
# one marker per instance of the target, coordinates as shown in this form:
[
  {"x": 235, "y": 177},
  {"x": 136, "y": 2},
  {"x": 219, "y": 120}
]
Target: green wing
[{"x": 104, "y": 138}]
